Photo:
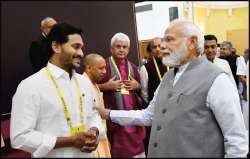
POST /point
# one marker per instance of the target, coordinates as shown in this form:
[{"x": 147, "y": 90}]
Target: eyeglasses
[{"x": 211, "y": 46}]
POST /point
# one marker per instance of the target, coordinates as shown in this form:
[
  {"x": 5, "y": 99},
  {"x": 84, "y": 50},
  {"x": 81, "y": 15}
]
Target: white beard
[{"x": 175, "y": 58}]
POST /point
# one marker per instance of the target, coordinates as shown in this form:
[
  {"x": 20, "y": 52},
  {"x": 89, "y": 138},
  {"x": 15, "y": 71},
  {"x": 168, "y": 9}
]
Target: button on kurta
[
  {"x": 164, "y": 110},
  {"x": 155, "y": 144},
  {"x": 158, "y": 127},
  {"x": 170, "y": 95}
]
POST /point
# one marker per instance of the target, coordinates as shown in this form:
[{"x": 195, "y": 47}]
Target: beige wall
[{"x": 225, "y": 27}]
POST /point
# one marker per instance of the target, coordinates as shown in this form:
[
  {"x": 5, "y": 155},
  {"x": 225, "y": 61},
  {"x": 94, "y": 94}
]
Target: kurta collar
[
  {"x": 182, "y": 68},
  {"x": 58, "y": 72}
]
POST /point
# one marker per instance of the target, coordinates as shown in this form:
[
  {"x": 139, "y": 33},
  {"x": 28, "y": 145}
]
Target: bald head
[
  {"x": 47, "y": 24},
  {"x": 91, "y": 59},
  {"x": 94, "y": 67}
]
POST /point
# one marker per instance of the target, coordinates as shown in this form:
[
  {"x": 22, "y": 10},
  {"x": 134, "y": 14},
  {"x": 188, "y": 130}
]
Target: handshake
[{"x": 86, "y": 141}]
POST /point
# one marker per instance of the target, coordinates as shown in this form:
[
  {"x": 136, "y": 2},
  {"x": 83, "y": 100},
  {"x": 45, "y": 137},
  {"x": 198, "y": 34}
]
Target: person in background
[
  {"x": 241, "y": 73},
  {"x": 246, "y": 106},
  {"x": 52, "y": 110},
  {"x": 190, "y": 116},
  {"x": 218, "y": 50},
  {"x": 151, "y": 75},
  {"x": 210, "y": 48},
  {"x": 94, "y": 71},
  {"x": 226, "y": 54},
  {"x": 148, "y": 55},
  {"x": 37, "y": 51},
  {"x": 237, "y": 65},
  {"x": 121, "y": 90},
  {"x": 234, "y": 51},
  {"x": 246, "y": 55}
]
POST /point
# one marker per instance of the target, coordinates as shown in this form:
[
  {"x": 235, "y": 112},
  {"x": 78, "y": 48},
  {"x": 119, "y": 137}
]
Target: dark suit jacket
[{"x": 38, "y": 54}]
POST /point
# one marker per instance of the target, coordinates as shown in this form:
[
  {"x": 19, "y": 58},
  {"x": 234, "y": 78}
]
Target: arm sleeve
[
  {"x": 24, "y": 116},
  {"x": 229, "y": 72},
  {"x": 93, "y": 117},
  {"x": 241, "y": 66},
  {"x": 144, "y": 83},
  {"x": 142, "y": 117},
  {"x": 223, "y": 100}
]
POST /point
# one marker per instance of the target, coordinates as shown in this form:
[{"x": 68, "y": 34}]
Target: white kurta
[
  {"x": 224, "y": 65},
  {"x": 37, "y": 116},
  {"x": 144, "y": 82}
]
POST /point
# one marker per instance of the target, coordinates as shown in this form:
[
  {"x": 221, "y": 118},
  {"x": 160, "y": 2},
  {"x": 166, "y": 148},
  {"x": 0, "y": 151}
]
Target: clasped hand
[
  {"x": 118, "y": 84},
  {"x": 86, "y": 141}
]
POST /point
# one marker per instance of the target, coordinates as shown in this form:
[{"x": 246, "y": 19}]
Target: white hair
[
  {"x": 120, "y": 37},
  {"x": 46, "y": 20},
  {"x": 190, "y": 29}
]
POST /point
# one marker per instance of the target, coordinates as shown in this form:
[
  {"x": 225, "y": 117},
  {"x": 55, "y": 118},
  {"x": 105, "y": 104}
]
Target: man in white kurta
[
  {"x": 246, "y": 109},
  {"x": 210, "y": 50},
  {"x": 38, "y": 118}
]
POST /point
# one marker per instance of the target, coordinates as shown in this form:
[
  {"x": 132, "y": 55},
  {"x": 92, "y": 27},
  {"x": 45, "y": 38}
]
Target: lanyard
[
  {"x": 59, "y": 92},
  {"x": 117, "y": 70},
  {"x": 157, "y": 69}
]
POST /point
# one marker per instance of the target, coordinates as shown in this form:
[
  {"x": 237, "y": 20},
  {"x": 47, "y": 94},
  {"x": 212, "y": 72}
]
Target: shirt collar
[
  {"x": 182, "y": 68},
  {"x": 58, "y": 72},
  {"x": 44, "y": 34},
  {"x": 86, "y": 75}
]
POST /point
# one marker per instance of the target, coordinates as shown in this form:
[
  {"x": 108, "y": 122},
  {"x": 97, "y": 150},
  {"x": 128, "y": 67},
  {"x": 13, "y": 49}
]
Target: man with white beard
[{"x": 195, "y": 111}]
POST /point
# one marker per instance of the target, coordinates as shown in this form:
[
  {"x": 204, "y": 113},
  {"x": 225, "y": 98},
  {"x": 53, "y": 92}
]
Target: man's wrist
[
  {"x": 96, "y": 130},
  {"x": 109, "y": 115}
]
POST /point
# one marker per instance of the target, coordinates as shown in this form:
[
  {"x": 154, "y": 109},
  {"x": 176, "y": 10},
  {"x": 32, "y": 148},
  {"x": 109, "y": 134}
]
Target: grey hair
[
  {"x": 119, "y": 37},
  {"x": 46, "y": 20},
  {"x": 151, "y": 43},
  {"x": 228, "y": 44},
  {"x": 191, "y": 29}
]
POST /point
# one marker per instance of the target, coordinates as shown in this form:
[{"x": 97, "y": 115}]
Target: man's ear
[
  {"x": 56, "y": 47},
  {"x": 193, "y": 40}
]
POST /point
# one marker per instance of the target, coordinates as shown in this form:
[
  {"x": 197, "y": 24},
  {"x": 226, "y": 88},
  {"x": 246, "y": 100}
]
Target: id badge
[
  {"x": 124, "y": 91},
  {"x": 77, "y": 129}
]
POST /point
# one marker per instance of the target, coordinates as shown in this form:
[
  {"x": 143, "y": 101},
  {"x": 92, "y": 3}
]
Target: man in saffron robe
[{"x": 94, "y": 70}]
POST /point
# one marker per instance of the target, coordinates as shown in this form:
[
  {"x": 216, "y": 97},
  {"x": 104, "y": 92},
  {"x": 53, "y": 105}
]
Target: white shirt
[
  {"x": 144, "y": 82},
  {"x": 222, "y": 99},
  {"x": 224, "y": 65},
  {"x": 241, "y": 66},
  {"x": 247, "y": 80},
  {"x": 37, "y": 116}
]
